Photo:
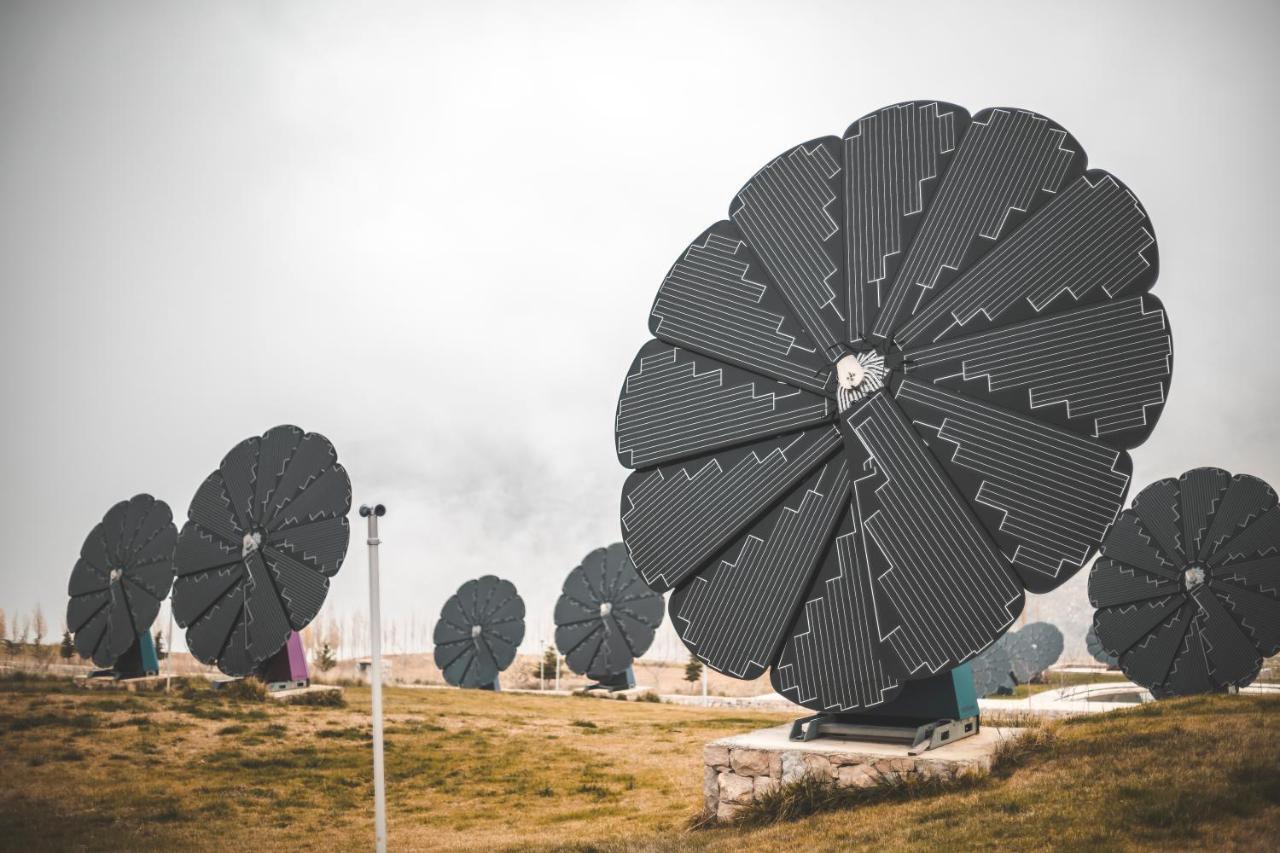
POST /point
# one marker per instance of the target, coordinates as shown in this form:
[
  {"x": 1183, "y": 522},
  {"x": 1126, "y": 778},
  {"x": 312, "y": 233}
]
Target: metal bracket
[
  {"x": 918, "y": 736},
  {"x": 612, "y": 683},
  {"x": 277, "y": 686}
]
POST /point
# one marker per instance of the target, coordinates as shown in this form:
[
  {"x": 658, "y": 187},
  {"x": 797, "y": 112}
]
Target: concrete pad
[
  {"x": 1078, "y": 699},
  {"x": 132, "y": 685},
  {"x": 777, "y": 739},
  {"x": 765, "y": 702},
  {"x": 286, "y": 695},
  {"x": 631, "y": 694},
  {"x": 1070, "y": 701}
]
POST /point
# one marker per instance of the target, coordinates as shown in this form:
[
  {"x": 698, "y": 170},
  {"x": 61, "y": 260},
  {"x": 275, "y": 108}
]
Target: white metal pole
[{"x": 375, "y": 647}]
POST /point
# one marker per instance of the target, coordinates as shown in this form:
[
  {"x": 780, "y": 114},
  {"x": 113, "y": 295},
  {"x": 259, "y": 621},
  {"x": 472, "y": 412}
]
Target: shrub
[
  {"x": 693, "y": 669},
  {"x": 325, "y": 658},
  {"x": 812, "y": 793},
  {"x": 248, "y": 689},
  {"x": 320, "y": 699},
  {"x": 1013, "y": 752}
]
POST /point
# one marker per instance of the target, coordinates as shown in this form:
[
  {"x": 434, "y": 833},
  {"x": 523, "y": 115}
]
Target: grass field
[
  {"x": 1056, "y": 680},
  {"x": 195, "y": 769}
]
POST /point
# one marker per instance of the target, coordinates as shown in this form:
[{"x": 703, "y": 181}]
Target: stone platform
[
  {"x": 133, "y": 685},
  {"x": 740, "y": 768},
  {"x": 293, "y": 692},
  {"x": 639, "y": 693}
]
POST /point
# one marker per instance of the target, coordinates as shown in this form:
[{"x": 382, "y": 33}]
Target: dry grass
[
  {"x": 204, "y": 770},
  {"x": 811, "y": 795},
  {"x": 249, "y": 689},
  {"x": 319, "y": 699},
  {"x": 1056, "y": 680}
]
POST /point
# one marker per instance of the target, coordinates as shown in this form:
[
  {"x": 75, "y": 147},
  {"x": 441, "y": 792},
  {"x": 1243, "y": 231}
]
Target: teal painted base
[
  {"x": 928, "y": 713},
  {"x": 947, "y": 696},
  {"x": 621, "y": 681},
  {"x": 139, "y": 660}
]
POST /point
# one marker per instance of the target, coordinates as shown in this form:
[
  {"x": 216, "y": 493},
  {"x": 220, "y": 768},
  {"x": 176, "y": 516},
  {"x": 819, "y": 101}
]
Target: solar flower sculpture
[
  {"x": 606, "y": 618},
  {"x": 1033, "y": 649},
  {"x": 264, "y": 534},
  {"x": 123, "y": 574},
  {"x": 480, "y": 628},
  {"x": 1094, "y": 646},
  {"x": 993, "y": 669},
  {"x": 1188, "y": 584},
  {"x": 891, "y": 393}
]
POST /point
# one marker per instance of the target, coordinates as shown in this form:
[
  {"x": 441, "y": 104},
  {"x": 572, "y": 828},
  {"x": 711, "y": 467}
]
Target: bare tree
[
  {"x": 359, "y": 634},
  {"x": 309, "y": 635},
  {"x": 39, "y": 626},
  {"x": 4, "y": 628},
  {"x": 333, "y": 636}
]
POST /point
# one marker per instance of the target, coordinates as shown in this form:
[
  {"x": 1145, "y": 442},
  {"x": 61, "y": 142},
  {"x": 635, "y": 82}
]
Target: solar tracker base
[
  {"x": 918, "y": 734},
  {"x": 287, "y": 668},
  {"x": 138, "y": 661},
  {"x": 614, "y": 683},
  {"x": 927, "y": 713}
]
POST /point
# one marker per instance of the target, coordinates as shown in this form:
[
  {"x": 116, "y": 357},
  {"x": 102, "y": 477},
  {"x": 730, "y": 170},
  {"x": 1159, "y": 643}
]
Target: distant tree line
[{"x": 27, "y": 635}]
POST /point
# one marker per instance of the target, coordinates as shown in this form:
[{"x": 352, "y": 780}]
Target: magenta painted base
[{"x": 288, "y": 667}]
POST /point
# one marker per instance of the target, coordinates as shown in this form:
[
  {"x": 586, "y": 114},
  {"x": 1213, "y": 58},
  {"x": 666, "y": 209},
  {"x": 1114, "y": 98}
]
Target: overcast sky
[{"x": 433, "y": 233}]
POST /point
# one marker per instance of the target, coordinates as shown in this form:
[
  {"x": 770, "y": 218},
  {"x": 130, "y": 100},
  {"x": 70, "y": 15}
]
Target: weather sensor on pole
[{"x": 372, "y": 514}]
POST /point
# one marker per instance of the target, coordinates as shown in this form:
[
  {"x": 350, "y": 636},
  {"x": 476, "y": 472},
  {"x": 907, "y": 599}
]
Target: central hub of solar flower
[
  {"x": 116, "y": 575},
  {"x": 605, "y": 609},
  {"x": 858, "y": 375},
  {"x": 1192, "y": 577},
  {"x": 250, "y": 543},
  {"x": 850, "y": 373},
  {"x": 475, "y": 631}
]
